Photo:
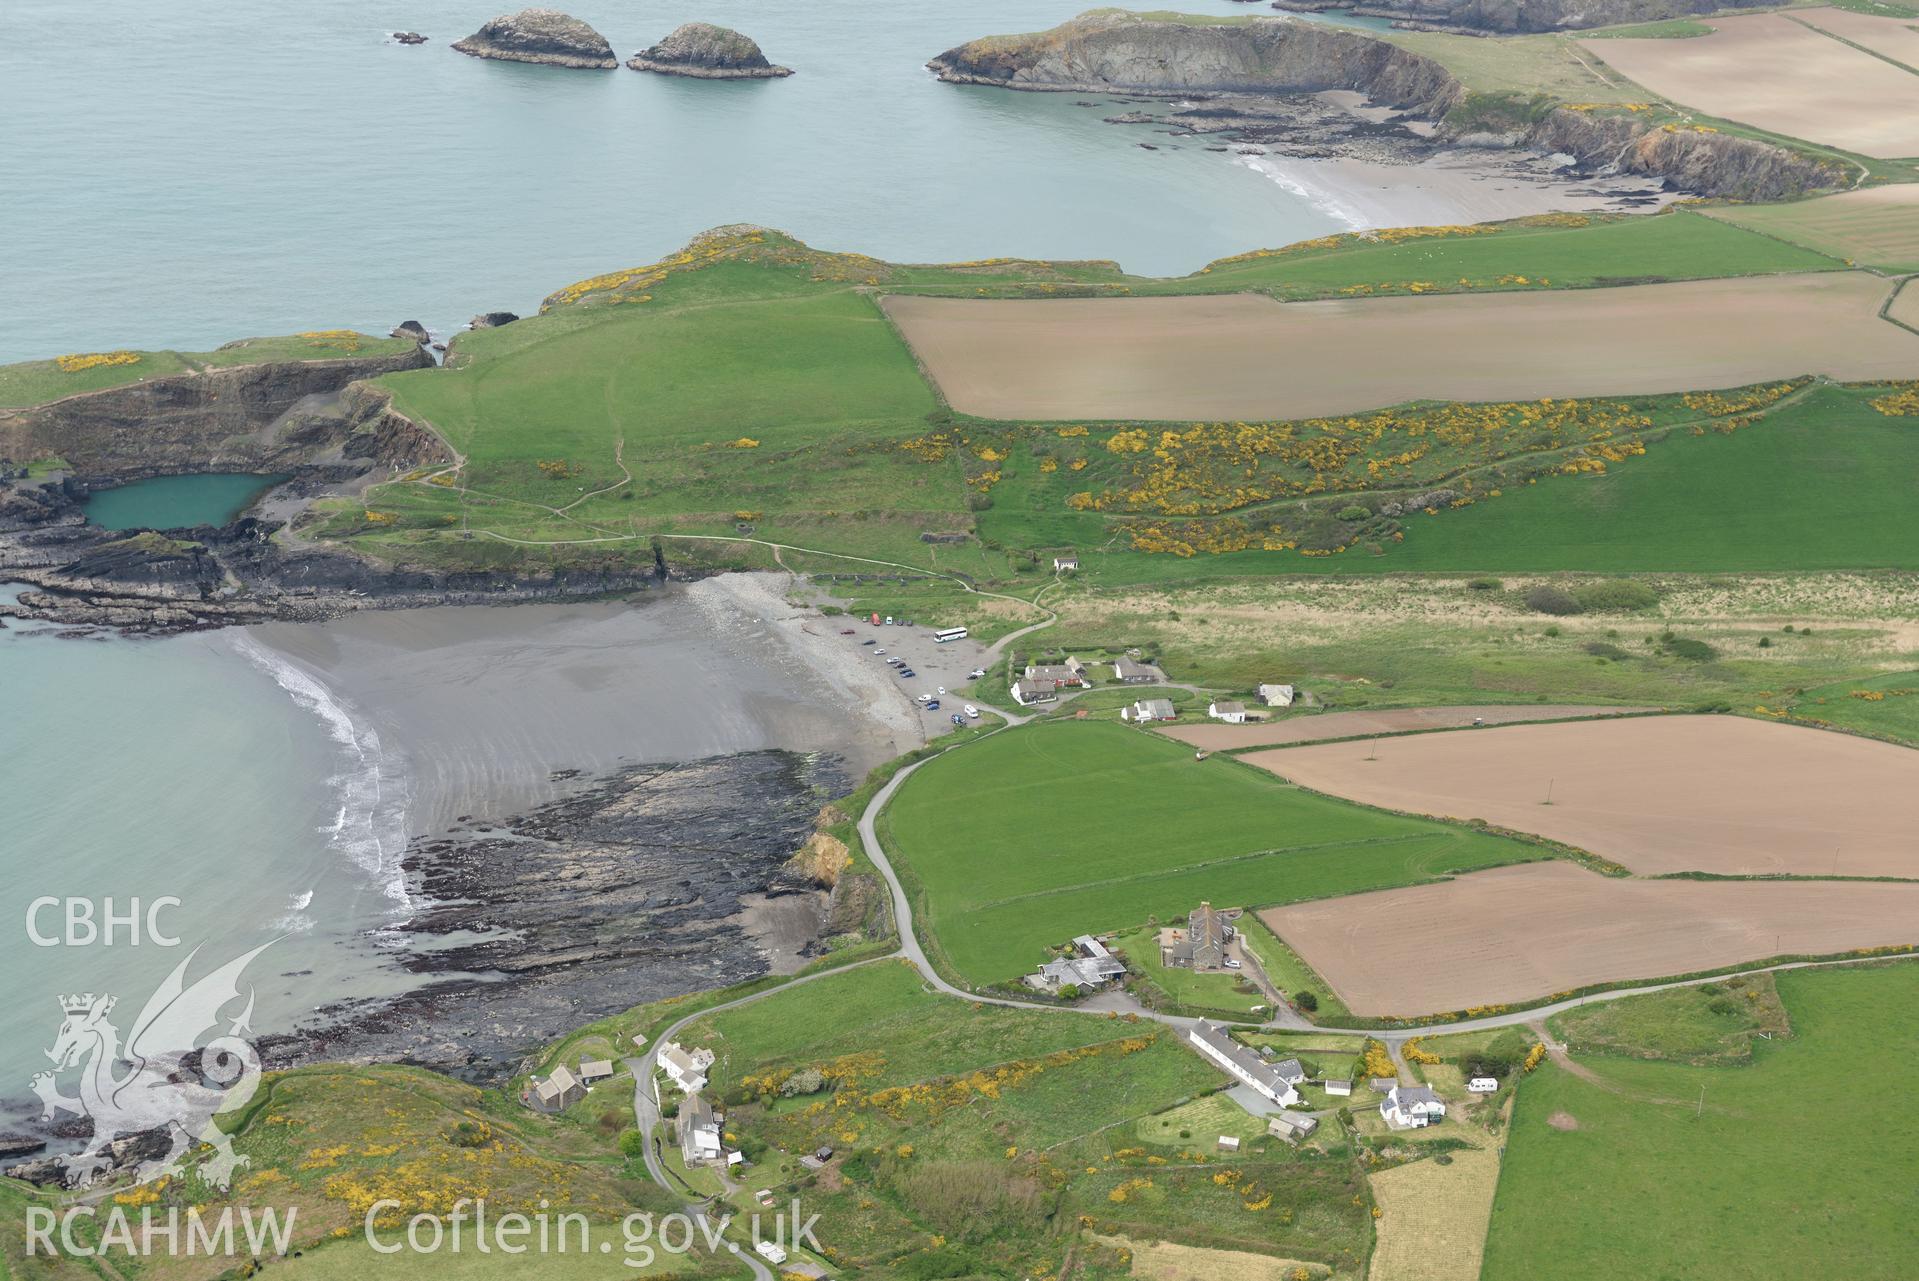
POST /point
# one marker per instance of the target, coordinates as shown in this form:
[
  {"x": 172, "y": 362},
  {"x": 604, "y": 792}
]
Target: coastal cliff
[
  {"x": 1260, "y": 77},
  {"x": 706, "y": 52},
  {"x": 1705, "y": 162},
  {"x": 545, "y": 36},
  {"x": 1113, "y": 49},
  {"x": 253, "y": 417},
  {"x": 1509, "y": 17}
]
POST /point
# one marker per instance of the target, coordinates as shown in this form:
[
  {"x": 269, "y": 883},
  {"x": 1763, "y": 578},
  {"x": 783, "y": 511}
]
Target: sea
[{"x": 183, "y": 176}]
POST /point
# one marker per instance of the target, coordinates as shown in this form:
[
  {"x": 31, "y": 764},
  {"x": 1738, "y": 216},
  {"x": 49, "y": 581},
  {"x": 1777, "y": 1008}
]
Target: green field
[
  {"x": 35, "y": 382},
  {"x": 1793, "y": 1166},
  {"x": 1886, "y": 705},
  {"x": 1029, "y": 837},
  {"x": 748, "y": 391},
  {"x": 882, "y": 1007},
  {"x": 1875, "y": 228},
  {"x": 1701, "y": 1024},
  {"x": 970, "y": 1140}
]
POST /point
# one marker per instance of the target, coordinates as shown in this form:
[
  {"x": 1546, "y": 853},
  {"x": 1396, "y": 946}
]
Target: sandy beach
[
  {"x": 1452, "y": 187},
  {"x": 484, "y": 705}
]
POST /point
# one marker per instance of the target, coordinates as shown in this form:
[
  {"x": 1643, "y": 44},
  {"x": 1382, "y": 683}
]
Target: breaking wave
[
  {"x": 370, "y": 789},
  {"x": 1324, "y": 201}
]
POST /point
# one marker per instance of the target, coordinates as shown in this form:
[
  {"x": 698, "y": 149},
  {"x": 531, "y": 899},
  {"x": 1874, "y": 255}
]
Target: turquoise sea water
[
  {"x": 182, "y": 176},
  {"x": 173, "y": 502},
  {"x": 185, "y": 177}
]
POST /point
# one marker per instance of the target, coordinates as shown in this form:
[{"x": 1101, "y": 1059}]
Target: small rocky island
[
  {"x": 707, "y": 52},
  {"x": 545, "y": 36}
]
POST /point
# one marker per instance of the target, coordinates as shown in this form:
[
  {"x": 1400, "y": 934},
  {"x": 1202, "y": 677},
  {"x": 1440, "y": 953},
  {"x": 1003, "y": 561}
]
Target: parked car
[
  {"x": 972, "y": 712},
  {"x": 942, "y": 689},
  {"x": 867, "y": 642},
  {"x": 878, "y": 652},
  {"x": 977, "y": 674},
  {"x": 846, "y": 631},
  {"x": 958, "y": 719},
  {"x": 889, "y": 620},
  {"x": 932, "y": 704},
  {"x": 922, "y": 698},
  {"x": 905, "y": 672}
]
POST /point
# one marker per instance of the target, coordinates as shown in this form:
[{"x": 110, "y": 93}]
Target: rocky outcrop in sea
[
  {"x": 707, "y": 52},
  {"x": 545, "y": 36}
]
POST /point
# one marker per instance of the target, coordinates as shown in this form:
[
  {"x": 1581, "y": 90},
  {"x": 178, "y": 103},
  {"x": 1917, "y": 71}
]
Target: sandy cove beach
[{"x": 599, "y": 800}]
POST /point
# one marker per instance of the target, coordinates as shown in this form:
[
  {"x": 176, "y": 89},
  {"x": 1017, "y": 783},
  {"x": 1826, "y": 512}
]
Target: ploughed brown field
[
  {"x": 1656, "y": 794},
  {"x": 1793, "y": 74},
  {"x": 1515, "y": 934},
  {"x": 1250, "y": 356},
  {"x": 1397, "y": 720}
]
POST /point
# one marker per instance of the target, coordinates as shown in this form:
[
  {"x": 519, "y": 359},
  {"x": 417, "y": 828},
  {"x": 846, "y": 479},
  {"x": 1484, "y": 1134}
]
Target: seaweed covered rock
[
  {"x": 545, "y": 36},
  {"x": 707, "y": 52}
]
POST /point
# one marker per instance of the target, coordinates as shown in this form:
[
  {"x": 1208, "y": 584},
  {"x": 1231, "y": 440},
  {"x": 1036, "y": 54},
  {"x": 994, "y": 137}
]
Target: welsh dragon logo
[{"x": 163, "y": 1078}]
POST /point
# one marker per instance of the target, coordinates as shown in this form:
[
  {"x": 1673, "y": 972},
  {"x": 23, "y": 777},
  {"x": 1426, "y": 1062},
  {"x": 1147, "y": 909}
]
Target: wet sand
[{"x": 484, "y": 704}]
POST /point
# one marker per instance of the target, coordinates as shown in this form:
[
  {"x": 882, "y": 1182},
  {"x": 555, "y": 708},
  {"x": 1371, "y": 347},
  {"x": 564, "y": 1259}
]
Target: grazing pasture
[
  {"x": 1393, "y": 720},
  {"x": 1874, "y": 226},
  {"x": 1247, "y": 356},
  {"x": 1515, "y": 934},
  {"x": 1781, "y": 1168},
  {"x": 1031, "y": 836},
  {"x": 1784, "y": 74},
  {"x": 1722, "y": 795}
]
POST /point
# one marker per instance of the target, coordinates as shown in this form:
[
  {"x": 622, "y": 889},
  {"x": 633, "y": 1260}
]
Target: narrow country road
[{"x": 1285, "y": 1017}]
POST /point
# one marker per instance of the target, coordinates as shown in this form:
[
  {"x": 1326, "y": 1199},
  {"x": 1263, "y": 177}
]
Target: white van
[{"x": 972, "y": 712}]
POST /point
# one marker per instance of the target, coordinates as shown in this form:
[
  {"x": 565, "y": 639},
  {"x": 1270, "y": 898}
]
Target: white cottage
[{"x": 1407, "y": 1107}]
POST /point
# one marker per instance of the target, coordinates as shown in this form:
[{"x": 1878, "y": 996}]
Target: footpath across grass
[
  {"x": 1799, "y": 1165},
  {"x": 1029, "y": 837}
]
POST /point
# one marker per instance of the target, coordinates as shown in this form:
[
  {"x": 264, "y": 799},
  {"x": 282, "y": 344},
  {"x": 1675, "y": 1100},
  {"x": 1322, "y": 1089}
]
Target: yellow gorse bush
[{"x": 95, "y": 360}]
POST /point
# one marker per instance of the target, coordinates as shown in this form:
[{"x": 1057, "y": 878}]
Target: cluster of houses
[
  {"x": 1402, "y": 1107},
  {"x": 1087, "y": 968},
  {"x": 562, "y": 1088},
  {"x": 699, "y": 1126},
  {"x": 1042, "y": 682}
]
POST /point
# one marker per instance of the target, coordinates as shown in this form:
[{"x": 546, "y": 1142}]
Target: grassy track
[
  {"x": 1035, "y": 835},
  {"x": 1785, "y": 1172}
]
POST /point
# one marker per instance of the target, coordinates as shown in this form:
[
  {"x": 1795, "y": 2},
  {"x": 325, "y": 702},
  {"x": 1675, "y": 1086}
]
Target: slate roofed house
[
  {"x": 1409, "y": 1106},
  {"x": 1094, "y": 953},
  {"x": 1150, "y": 709},
  {"x": 699, "y": 1130},
  {"x": 1274, "y": 1081},
  {"x": 1026, "y": 692},
  {"x": 1231, "y": 713},
  {"x": 1202, "y": 946},
  {"x": 560, "y": 1090},
  {"x": 1337, "y": 1087},
  {"x": 592, "y": 1070},
  {"x": 1276, "y": 695},
  {"x": 686, "y": 1068},
  {"x": 1056, "y": 674},
  {"x": 1291, "y": 1126},
  {"x": 1065, "y": 564},
  {"x": 1129, "y": 672}
]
